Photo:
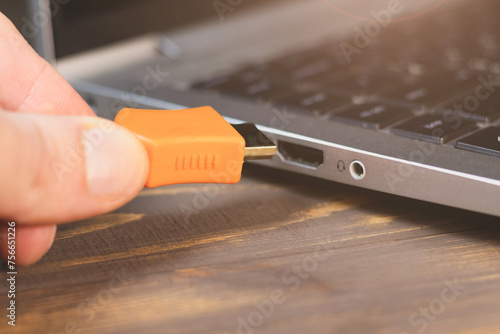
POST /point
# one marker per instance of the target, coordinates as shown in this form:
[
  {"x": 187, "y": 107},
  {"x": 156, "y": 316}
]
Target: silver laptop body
[{"x": 165, "y": 69}]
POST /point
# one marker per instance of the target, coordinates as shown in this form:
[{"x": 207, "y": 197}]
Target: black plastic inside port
[{"x": 300, "y": 155}]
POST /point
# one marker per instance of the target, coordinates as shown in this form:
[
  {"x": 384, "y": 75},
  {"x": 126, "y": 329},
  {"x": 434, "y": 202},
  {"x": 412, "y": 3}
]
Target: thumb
[{"x": 59, "y": 169}]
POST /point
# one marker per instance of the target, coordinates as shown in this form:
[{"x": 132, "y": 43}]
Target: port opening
[
  {"x": 300, "y": 155},
  {"x": 357, "y": 169}
]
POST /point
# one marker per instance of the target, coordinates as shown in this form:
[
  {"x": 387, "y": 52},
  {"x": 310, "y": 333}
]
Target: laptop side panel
[{"x": 39, "y": 29}]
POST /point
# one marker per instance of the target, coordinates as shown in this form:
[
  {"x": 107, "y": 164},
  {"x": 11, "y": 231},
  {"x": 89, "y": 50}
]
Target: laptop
[{"x": 396, "y": 96}]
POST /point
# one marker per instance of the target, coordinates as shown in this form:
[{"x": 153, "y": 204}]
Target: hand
[{"x": 59, "y": 163}]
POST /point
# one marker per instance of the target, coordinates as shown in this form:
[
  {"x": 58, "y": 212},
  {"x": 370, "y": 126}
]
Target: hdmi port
[{"x": 300, "y": 155}]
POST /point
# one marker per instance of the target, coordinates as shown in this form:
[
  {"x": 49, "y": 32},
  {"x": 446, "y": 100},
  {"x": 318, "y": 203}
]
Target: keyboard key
[
  {"x": 485, "y": 111},
  {"x": 431, "y": 91},
  {"x": 316, "y": 101},
  {"x": 247, "y": 83},
  {"x": 225, "y": 82},
  {"x": 312, "y": 69},
  {"x": 373, "y": 115},
  {"x": 434, "y": 128},
  {"x": 406, "y": 68},
  {"x": 413, "y": 94},
  {"x": 358, "y": 83},
  {"x": 212, "y": 83},
  {"x": 264, "y": 89},
  {"x": 282, "y": 67},
  {"x": 252, "y": 74},
  {"x": 294, "y": 60},
  {"x": 486, "y": 141}
]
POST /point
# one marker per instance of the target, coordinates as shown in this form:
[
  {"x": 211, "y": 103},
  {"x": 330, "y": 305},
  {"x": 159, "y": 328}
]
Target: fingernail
[{"x": 116, "y": 161}]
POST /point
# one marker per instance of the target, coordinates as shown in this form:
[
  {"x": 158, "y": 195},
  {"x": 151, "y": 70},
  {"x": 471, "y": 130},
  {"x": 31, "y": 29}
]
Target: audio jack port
[{"x": 358, "y": 170}]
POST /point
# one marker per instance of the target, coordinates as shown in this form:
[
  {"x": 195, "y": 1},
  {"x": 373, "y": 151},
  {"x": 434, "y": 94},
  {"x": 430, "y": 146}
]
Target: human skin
[{"x": 60, "y": 163}]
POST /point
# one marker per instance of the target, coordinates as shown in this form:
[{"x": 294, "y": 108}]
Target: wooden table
[{"x": 277, "y": 253}]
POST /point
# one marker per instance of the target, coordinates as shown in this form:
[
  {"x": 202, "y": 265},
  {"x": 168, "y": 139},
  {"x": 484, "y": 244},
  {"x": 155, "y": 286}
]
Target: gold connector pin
[{"x": 258, "y": 145}]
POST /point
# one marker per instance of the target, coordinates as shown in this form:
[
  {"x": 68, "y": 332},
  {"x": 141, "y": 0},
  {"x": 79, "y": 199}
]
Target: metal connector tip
[{"x": 257, "y": 145}]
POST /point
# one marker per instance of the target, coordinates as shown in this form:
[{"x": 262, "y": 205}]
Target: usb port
[{"x": 300, "y": 155}]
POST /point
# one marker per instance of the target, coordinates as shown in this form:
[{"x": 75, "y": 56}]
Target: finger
[
  {"x": 29, "y": 84},
  {"x": 61, "y": 169},
  {"x": 32, "y": 242}
]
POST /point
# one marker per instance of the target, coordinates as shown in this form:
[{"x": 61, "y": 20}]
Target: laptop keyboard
[{"x": 435, "y": 79}]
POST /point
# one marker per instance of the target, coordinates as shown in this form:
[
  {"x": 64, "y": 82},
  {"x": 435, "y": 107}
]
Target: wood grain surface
[{"x": 277, "y": 253}]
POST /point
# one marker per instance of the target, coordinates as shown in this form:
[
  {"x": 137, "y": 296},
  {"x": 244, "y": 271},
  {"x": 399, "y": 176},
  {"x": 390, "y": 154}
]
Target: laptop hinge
[{"x": 41, "y": 36}]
